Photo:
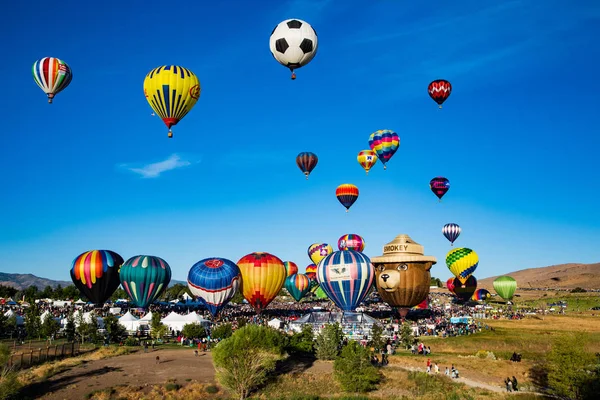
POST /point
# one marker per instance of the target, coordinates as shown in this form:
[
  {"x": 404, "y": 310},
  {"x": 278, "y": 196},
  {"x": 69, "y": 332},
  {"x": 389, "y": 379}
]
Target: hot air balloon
[
  {"x": 384, "y": 143},
  {"x": 351, "y": 241},
  {"x": 318, "y": 251},
  {"x": 439, "y": 186},
  {"x": 297, "y": 285},
  {"x": 346, "y": 277},
  {"x": 96, "y": 274},
  {"x": 307, "y": 161},
  {"x": 366, "y": 159},
  {"x": 346, "y": 194},
  {"x": 263, "y": 276},
  {"x": 451, "y": 232},
  {"x": 293, "y": 44},
  {"x": 462, "y": 262},
  {"x": 320, "y": 293},
  {"x": 290, "y": 268},
  {"x": 51, "y": 75},
  {"x": 424, "y": 305},
  {"x": 144, "y": 278},
  {"x": 480, "y": 295},
  {"x": 450, "y": 285},
  {"x": 171, "y": 91},
  {"x": 505, "y": 286},
  {"x": 439, "y": 90},
  {"x": 311, "y": 271},
  {"x": 465, "y": 290},
  {"x": 215, "y": 281}
]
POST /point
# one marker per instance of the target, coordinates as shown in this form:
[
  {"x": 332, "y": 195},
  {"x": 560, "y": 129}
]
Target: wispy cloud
[{"x": 154, "y": 170}]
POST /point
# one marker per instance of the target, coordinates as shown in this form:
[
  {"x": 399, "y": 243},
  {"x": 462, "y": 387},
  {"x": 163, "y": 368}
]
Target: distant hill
[
  {"x": 21, "y": 281},
  {"x": 563, "y": 276}
]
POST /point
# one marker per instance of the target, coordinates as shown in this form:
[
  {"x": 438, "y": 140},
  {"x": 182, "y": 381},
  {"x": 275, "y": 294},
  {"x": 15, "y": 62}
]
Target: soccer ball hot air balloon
[
  {"x": 451, "y": 232},
  {"x": 465, "y": 290},
  {"x": 505, "y": 286},
  {"x": 215, "y": 281},
  {"x": 439, "y": 186},
  {"x": 290, "y": 268},
  {"x": 51, "y": 75},
  {"x": 480, "y": 295},
  {"x": 307, "y": 161},
  {"x": 297, "y": 286},
  {"x": 346, "y": 277},
  {"x": 172, "y": 91},
  {"x": 366, "y": 159},
  {"x": 439, "y": 90},
  {"x": 462, "y": 262},
  {"x": 318, "y": 251},
  {"x": 96, "y": 274},
  {"x": 346, "y": 194},
  {"x": 384, "y": 143},
  {"x": 351, "y": 241},
  {"x": 293, "y": 44},
  {"x": 263, "y": 276},
  {"x": 145, "y": 278}
]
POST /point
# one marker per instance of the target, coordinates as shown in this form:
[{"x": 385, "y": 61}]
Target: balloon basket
[
  {"x": 440, "y": 106},
  {"x": 170, "y": 135},
  {"x": 293, "y": 76}
]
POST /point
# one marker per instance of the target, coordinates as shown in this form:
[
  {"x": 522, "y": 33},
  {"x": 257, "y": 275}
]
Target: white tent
[
  {"x": 80, "y": 302},
  {"x": 193, "y": 318},
  {"x": 275, "y": 323},
  {"x": 44, "y": 315},
  {"x": 147, "y": 317},
  {"x": 175, "y": 321},
  {"x": 87, "y": 317},
  {"x": 129, "y": 321}
]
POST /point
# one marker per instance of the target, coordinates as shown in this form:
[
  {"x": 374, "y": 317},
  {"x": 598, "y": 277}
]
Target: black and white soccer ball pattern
[{"x": 293, "y": 43}]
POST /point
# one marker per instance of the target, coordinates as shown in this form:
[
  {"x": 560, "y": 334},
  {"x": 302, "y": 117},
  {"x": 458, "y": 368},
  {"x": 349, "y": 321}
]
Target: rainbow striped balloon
[
  {"x": 145, "y": 278},
  {"x": 297, "y": 286},
  {"x": 351, "y": 241},
  {"x": 346, "y": 277},
  {"x": 96, "y": 274},
  {"x": 385, "y": 143},
  {"x": 290, "y": 268},
  {"x": 51, "y": 75}
]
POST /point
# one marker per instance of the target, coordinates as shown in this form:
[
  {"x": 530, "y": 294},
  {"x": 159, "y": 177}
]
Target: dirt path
[
  {"x": 466, "y": 381},
  {"x": 139, "y": 369}
]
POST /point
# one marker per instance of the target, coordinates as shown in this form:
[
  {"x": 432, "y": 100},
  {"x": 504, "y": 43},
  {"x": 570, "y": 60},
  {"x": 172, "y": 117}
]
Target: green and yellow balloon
[
  {"x": 144, "y": 278},
  {"x": 462, "y": 262},
  {"x": 505, "y": 286}
]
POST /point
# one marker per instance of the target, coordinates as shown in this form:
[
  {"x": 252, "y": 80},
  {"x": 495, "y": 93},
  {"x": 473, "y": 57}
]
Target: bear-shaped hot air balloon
[{"x": 402, "y": 273}]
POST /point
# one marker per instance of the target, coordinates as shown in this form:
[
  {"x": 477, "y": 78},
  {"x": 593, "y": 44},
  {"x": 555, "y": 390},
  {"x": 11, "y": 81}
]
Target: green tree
[
  {"x": 406, "y": 335},
  {"x": 193, "y": 331},
  {"x": 244, "y": 360},
  {"x": 436, "y": 282},
  {"x": 72, "y": 293},
  {"x": 568, "y": 365},
  {"x": 33, "y": 322},
  {"x": 222, "y": 331},
  {"x": 7, "y": 291},
  {"x": 377, "y": 341},
  {"x": 70, "y": 328},
  {"x": 303, "y": 341},
  {"x": 31, "y": 293},
  {"x": 119, "y": 294},
  {"x": 354, "y": 371},
  {"x": 57, "y": 294},
  {"x": 87, "y": 330},
  {"x": 3, "y": 324},
  {"x": 9, "y": 384},
  {"x": 238, "y": 298},
  {"x": 49, "y": 327},
  {"x": 329, "y": 341},
  {"x": 114, "y": 329},
  {"x": 46, "y": 293},
  {"x": 157, "y": 328}
]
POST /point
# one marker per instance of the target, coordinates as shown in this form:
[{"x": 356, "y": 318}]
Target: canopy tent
[
  {"x": 194, "y": 318},
  {"x": 80, "y": 302},
  {"x": 275, "y": 323},
  {"x": 129, "y": 321},
  {"x": 174, "y": 321},
  {"x": 354, "y": 325},
  {"x": 147, "y": 317}
]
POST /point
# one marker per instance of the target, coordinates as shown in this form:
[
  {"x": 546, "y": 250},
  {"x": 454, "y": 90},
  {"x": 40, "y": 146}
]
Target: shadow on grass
[{"x": 36, "y": 390}]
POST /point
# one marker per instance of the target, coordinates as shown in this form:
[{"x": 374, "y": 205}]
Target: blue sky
[{"x": 518, "y": 137}]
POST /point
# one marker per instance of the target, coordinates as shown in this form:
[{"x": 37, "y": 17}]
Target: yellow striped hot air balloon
[
  {"x": 172, "y": 91},
  {"x": 263, "y": 276},
  {"x": 462, "y": 262}
]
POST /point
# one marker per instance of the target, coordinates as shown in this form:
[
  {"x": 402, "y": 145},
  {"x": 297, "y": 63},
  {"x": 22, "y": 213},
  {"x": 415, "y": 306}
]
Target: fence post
[
  {"x": 22, "y": 357},
  {"x": 30, "y": 358},
  {"x": 72, "y": 349},
  {"x": 40, "y": 355}
]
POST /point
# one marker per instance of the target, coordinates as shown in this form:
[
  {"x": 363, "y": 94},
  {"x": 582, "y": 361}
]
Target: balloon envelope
[
  {"x": 450, "y": 284},
  {"x": 481, "y": 295},
  {"x": 384, "y": 143},
  {"x": 317, "y": 252},
  {"x": 290, "y": 268},
  {"x": 297, "y": 285},
  {"x": 462, "y": 262},
  {"x": 439, "y": 186},
  {"x": 51, "y": 75},
  {"x": 346, "y": 277},
  {"x": 451, "y": 231},
  {"x": 366, "y": 159},
  {"x": 145, "y": 278},
  {"x": 439, "y": 90},
  {"x": 351, "y": 241},
  {"x": 505, "y": 286},
  {"x": 263, "y": 276},
  {"x": 307, "y": 161},
  {"x": 215, "y": 281},
  {"x": 311, "y": 271},
  {"x": 464, "y": 291},
  {"x": 346, "y": 194},
  {"x": 96, "y": 274}
]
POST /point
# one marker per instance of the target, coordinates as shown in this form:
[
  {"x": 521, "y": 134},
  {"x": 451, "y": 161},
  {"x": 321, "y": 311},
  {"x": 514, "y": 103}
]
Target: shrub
[
  {"x": 9, "y": 384},
  {"x": 578, "y": 290},
  {"x": 130, "y": 341},
  {"x": 354, "y": 371},
  {"x": 195, "y": 331},
  {"x": 244, "y": 360},
  {"x": 485, "y": 354},
  {"x": 172, "y": 386},
  {"x": 303, "y": 341},
  {"x": 212, "y": 389},
  {"x": 222, "y": 331},
  {"x": 328, "y": 342}
]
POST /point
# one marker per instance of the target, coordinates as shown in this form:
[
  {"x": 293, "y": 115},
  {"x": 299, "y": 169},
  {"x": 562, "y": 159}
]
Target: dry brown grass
[{"x": 190, "y": 391}]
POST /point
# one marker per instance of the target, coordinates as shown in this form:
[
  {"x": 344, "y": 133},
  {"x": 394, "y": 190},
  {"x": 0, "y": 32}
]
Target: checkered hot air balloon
[
  {"x": 384, "y": 143},
  {"x": 215, "y": 281},
  {"x": 439, "y": 90},
  {"x": 263, "y": 276},
  {"x": 451, "y": 232},
  {"x": 462, "y": 262},
  {"x": 96, "y": 274},
  {"x": 346, "y": 277},
  {"x": 145, "y": 278}
]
